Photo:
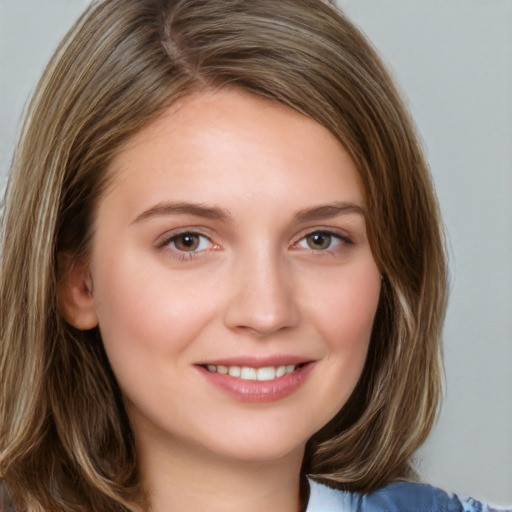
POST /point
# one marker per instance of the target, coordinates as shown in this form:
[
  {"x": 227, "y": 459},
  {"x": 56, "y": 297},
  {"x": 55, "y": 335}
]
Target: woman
[{"x": 223, "y": 276}]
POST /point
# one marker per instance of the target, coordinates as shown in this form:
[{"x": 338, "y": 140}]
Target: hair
[{"x": 65, "y": 440}]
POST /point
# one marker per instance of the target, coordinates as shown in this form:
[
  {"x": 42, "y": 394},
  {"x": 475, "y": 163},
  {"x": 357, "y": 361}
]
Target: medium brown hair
[{"x": 65, "y": 441}]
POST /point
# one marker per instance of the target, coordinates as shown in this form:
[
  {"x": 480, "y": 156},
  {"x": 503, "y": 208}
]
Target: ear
[{"x": 74, "y": 292}]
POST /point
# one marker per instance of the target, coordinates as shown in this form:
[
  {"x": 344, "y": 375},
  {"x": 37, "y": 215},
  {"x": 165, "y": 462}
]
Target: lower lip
[{"x": 258, "y": 391}]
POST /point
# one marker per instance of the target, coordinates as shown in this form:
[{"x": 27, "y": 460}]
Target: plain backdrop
[{"x": 453, "y": 61}]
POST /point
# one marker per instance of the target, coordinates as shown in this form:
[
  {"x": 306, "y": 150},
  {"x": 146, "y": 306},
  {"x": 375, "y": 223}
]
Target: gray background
[{"x": 452, "y": 59}]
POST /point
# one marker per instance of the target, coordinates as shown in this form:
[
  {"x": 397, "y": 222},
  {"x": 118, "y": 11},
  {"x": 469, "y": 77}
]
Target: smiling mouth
[
  {"x": 258, "y": 381},
  {"x": 266, "y": 373}
]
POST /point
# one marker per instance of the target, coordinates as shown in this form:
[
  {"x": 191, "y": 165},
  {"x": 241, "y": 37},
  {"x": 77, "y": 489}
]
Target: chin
[{"x": 259, "y": 448}]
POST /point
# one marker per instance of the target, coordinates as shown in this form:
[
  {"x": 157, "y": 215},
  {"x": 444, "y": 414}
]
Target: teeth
[
  {"x": 281, "y": 370},
  {"x": 234, "y": 371},
  {"x": 222, "y": 369},
  {"x": 267, "y": 373},
  {"x": 248, "y": 373}
]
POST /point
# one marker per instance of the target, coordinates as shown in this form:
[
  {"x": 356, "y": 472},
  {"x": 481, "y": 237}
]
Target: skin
[{"x": 265, "y": 274}]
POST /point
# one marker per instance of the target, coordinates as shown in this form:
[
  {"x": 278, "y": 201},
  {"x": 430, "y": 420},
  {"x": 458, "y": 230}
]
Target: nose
[{"x": 262, "y": 299}]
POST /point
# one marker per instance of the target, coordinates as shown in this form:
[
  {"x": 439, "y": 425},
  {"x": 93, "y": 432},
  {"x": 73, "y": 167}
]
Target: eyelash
[
  {"x": 182, "y": 255},
  {"x": 333, "y": 236}
]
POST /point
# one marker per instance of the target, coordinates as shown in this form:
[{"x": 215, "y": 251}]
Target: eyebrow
[
  {"x": 185, "y": 208},
  {"x": 327, "y": 211}
]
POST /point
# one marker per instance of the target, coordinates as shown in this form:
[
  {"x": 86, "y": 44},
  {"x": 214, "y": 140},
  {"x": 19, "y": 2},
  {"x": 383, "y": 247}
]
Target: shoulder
[{"x": 396, "y": 497}]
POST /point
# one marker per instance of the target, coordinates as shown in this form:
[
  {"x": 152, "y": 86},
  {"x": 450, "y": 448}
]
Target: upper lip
[{"x": 258, "y": 361}]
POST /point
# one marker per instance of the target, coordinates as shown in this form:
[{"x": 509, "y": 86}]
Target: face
[{"x": 232, "y": 278}]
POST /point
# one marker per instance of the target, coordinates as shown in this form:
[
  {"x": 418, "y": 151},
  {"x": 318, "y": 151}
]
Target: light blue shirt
[{"x": 396, "y": 497}]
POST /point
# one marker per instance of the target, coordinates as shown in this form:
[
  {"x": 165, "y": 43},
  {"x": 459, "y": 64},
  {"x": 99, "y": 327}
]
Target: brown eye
[
  {"x": 187, "y": 242},
  {"x": 319, "y": 241}
]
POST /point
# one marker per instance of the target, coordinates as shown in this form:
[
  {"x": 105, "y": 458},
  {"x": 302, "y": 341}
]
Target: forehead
[{"x": 215, "y": 146}]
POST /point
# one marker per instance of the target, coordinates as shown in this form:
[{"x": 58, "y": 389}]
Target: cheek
[
  {"x": 146, "y": 314},
  {"x": 348, "y": 309},
  {"x": 345, "y": 319}
]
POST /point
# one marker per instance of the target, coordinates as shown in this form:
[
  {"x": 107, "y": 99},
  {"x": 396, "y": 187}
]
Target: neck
[{"x": 192, "y": 480}]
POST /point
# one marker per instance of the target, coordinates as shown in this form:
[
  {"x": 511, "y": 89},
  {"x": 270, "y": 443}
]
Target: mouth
[
  {"x": 265, "y": 373},
  {"x": 257, "y": 381}
]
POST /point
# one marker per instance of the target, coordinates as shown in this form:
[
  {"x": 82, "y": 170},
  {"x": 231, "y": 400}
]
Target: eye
[
  {"x": 320, "y": 241},
  {"x": 189, "y": 242}
]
